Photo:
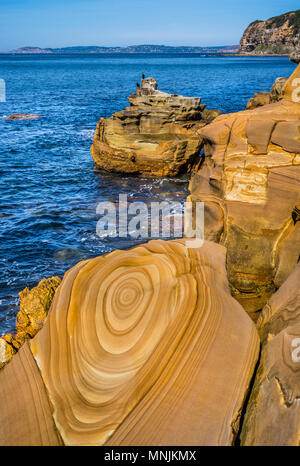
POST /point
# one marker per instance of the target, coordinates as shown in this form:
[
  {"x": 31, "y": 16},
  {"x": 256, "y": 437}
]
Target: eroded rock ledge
[
  {"x": 156, "y": 135},
  {"x": 249, "y": 182}
]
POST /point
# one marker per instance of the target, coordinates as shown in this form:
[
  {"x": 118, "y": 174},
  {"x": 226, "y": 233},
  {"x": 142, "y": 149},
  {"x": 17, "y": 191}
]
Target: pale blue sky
[{"x": 59, "y": 23}]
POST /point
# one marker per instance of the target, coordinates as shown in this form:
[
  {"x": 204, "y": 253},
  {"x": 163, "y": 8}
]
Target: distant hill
[
  {"x": 278, "y": 35},
  {"x": 131, "y": 49}
]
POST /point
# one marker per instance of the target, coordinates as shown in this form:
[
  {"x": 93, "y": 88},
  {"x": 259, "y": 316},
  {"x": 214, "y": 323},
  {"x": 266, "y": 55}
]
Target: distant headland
[
  {"x": 130, "y": 49},
  {"x": 279, "y": 35}
]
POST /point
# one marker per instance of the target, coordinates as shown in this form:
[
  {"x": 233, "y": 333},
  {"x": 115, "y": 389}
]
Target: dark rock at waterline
[{"x": 22, "y": 116}]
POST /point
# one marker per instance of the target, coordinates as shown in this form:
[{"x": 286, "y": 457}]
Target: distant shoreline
[
  {"x": 144, "y": 48},
  {"x": 118, "y": 54}
]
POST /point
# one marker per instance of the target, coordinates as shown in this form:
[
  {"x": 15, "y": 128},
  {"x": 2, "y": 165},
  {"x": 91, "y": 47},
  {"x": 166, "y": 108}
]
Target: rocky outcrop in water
[
  {"x": 34, "y": 308},
  {"x": 250, "y": 184},
  {"x": 278, "y": 35},
  {"x": 22, "y": 116},
  {"x": 273, "y": 414},
  {"x": 156, "y": 135},
  {"x": 264, "y": 98},
  {"x": 141, "y": 347}
]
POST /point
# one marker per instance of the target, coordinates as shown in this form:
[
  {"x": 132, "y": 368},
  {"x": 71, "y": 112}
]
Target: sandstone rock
[
  {"x": 141, "y": 347},
  {"x": 273, "y": 412},
  {"x": 259, "y": 99},
  {"x": 276, "y": 93},
  {"x": 25, "y": 410},
  {"x": 250, "y": 183},
  {"x": 265, "y": 98},
  {"x": 155, "y": 136},
  {"x": 282, "y": 309},
  {"x": 7, "y": 349},
  {"x": 34, "y": 307},
  {"x": 209, "y": 115}
]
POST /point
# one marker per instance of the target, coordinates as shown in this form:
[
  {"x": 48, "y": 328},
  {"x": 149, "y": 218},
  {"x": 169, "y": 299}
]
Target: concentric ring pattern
[
  {"x": 108, "y": 318},
  {"x": 126, "y": 325}
]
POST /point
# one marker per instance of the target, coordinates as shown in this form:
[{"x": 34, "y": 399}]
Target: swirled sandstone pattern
[
  {"x": 250, "y": 184},
  {"x": 273, "y": 413},
  {"x": 144, "y": 346},
  {"x": 155, "y": 136}
]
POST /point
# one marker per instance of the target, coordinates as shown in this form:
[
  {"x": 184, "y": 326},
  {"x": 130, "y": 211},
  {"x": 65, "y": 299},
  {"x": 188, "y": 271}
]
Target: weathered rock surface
[
  {"x": 25, "y": 410},
  {"x": 156, "y": 135},
  {"x": 250, "y": 183},
  {"x": 259, "y": 100},
  {"x": 34, "y": 308},
  {"x": 141, "y": 347},
  {"x": 278, "y": 35},
  {"x": 273, "y": 412},
  {"x": 209, "y": 115},
  {"x": 265, "y": 98}
]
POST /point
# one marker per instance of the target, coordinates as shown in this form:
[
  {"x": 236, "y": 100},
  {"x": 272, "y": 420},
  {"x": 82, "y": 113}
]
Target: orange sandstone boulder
[
  {"x": 141, "y": 347},
  {"x": 249, "y": 181},
  {"x": 258, "y": 100},
  {"x": 265, "y": 98}
]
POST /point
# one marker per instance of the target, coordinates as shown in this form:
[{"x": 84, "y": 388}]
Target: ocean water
[{"x": 49, "y": 187}]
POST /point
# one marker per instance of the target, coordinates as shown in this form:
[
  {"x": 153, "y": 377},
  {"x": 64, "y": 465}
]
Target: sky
[{"x": 61, "y": 23}]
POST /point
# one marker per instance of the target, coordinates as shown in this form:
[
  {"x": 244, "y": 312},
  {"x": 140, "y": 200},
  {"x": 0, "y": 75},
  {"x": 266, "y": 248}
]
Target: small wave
[{"x": 88, "y": 133}]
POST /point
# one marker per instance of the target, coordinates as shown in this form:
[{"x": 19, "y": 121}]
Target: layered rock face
[
  {"x": 278, "y": 35},
  {"x": 250, "y": 184},
  {"x": 141, "y": 347},
  {"x": 273, "y": 412},
  {"x": 34, "y": 308},
  {"x": 156, "y": 135}
]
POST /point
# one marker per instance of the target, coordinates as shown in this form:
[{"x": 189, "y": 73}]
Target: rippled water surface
[{"x": 49, "y": 187}]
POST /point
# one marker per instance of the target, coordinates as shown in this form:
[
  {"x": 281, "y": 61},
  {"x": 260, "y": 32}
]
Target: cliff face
[
  {"x": 249, "y": 182},
  {"x": 277, "y": 35}
]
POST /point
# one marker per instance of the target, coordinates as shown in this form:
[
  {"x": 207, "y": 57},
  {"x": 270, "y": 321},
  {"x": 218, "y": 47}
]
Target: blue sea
[{"x": 49, "y": 187}]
